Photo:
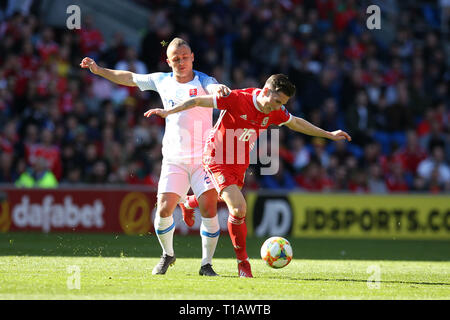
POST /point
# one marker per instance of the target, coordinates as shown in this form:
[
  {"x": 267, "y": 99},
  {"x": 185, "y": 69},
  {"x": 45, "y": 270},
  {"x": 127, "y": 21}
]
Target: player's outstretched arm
[
  {"x": 201, "y": 101},
  {"x": 218, "y": 89},
  {"x": 117, "y": 76},
  {"x": 303, "y": 126}
]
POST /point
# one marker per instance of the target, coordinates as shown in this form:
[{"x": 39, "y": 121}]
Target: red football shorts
[{"x": 224, "y": 175}]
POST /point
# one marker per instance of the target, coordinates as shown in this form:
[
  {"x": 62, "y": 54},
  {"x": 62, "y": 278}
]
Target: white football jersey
[{"x": 186, "y": 132}]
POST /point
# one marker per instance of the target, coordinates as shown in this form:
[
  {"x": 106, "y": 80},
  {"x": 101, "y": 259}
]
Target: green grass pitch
[{"x": 38, "y": 266}]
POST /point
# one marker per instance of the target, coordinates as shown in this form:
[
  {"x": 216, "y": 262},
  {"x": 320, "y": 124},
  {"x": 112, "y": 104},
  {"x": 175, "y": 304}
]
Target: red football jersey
[{"x": 238, "y": 127}]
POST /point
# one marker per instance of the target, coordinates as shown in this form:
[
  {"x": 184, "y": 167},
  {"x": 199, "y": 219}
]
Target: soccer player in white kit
[{"x": 184, "y": 138}]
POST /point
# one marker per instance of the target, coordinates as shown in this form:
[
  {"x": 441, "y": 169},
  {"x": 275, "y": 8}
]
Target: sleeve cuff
[
  {"x": 289, "y": 120},
  {"x": 136, "y": 80},
  {"x": 141, "y": 81}
]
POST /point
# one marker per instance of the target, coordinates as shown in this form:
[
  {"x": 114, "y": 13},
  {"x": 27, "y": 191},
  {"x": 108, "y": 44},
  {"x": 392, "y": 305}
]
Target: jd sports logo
[{"x": 272, "y": 216}]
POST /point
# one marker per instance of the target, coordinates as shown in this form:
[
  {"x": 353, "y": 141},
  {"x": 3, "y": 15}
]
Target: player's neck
[
  {"x": 260, "y": 107},
  {"x": 184, "y": 78}
]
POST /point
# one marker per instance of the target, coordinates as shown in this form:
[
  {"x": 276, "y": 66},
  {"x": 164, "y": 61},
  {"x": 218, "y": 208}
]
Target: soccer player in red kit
[{"x": 245, "y": 114}]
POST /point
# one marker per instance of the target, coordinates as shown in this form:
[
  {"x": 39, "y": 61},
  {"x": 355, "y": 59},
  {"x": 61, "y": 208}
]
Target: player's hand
[
  {"x": 222, "y": 90},
  {"x": 340, "y": 135},
  {"x": 158, "y": 112},
  {"x": 89, "y": 63}
]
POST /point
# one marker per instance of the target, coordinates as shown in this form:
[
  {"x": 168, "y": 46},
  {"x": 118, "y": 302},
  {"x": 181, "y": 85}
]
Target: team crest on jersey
[
  {"x": 192, "y": 92},
  {"x": 244, "y": 116},
  {"x": 221, "y": 179},
  {"x": 264, "y": 122}
]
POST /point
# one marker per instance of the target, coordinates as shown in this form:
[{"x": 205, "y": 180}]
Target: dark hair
[{"x": 280, "y": 83}]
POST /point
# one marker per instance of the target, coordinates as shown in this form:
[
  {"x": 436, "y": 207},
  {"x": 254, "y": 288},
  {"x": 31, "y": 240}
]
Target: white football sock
[
  {"x": 164, "y": 228},
  {"x": 209, "y": 231}
]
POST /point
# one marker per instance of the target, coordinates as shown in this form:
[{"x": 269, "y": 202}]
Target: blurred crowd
[{"x": 59, "y": 124}]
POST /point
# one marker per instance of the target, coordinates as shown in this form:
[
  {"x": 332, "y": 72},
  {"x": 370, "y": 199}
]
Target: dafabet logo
[
  {"x": 5, "y": 218},
  {"x": 134, "y": 213}
]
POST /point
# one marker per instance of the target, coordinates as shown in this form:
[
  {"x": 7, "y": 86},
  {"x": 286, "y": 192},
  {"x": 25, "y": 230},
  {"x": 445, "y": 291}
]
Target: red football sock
[
  {"x": 192, "y": 201},
  {"x": 238, "y": 234}
]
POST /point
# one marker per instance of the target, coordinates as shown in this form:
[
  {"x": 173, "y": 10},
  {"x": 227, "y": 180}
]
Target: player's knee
[
  {"x": 166, "y": 204},
  {"x": 164, "y": 210},
  {"x": 239, "y": 210},
  {"x": 208, "y": 204},
  {"x": 208, "y": 211}
]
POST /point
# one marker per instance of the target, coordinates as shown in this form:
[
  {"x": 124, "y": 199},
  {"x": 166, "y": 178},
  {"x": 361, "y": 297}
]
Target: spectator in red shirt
[
  {"x": 424, "y": 125},
  {"x": 326, "y": 8},
  {"x": 136, "y": 174},
  {"x": 411, "y": 154},
  {"x": 91, "y": 39},
  {"x": 355, "y": 50},
  {"x": 46, "y": 46},
  {"x": 358, "y": 182},
  {"x": 396, "y": 180},
  {"x": 29, "y": 62},
  {"x": 313, "y": 178},
  {"x": 345, "y": 14},
  {"x": 47, "y": 150},
  {"x": 394, "y": 74}
]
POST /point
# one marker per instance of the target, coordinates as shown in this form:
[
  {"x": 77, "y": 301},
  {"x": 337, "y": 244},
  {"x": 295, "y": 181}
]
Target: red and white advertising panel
[{"x": 122, "y": 210}]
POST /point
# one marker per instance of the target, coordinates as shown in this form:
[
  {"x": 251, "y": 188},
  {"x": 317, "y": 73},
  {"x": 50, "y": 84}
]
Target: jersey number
[{"x": 245, "y": 136}]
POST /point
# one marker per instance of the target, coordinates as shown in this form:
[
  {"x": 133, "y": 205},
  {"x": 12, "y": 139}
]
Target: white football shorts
[{"x": 179, "y": 177}]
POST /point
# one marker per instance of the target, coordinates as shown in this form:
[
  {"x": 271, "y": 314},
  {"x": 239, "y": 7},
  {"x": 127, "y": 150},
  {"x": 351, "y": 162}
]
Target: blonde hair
[{"x": 176, "y": 43}]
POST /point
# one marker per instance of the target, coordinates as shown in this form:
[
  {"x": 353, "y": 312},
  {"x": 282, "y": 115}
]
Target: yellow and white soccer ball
[{"x": 276, "y": 252}]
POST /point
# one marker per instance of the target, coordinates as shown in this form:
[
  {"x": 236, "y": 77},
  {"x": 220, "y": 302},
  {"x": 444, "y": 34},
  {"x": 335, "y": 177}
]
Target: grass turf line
[{"x": 35, "y": 266}]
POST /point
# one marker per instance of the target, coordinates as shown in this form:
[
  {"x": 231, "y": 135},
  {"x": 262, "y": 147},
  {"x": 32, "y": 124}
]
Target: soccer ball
[{"x": 276, "y": 252}]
